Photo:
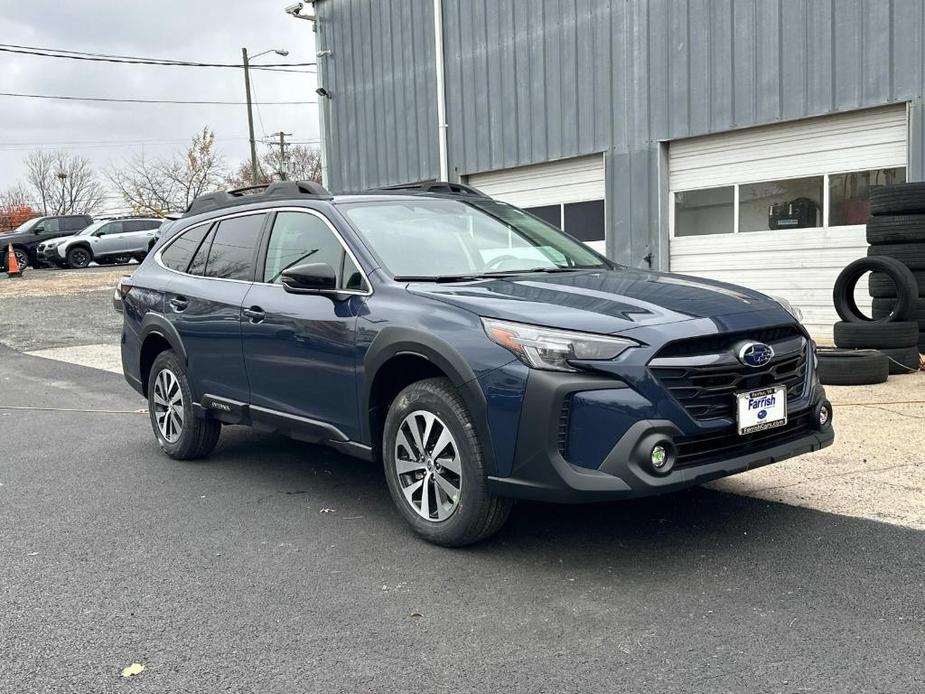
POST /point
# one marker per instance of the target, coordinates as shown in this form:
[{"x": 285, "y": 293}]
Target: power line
[
  {"x": 151, "y": 101},
  {"x": 133, "y": 60}
]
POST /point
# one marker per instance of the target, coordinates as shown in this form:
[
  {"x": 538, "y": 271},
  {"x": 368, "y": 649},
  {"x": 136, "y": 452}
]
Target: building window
[
  {"x": 790, "y": 203},
  {"x": 794, "y": 203},
  {"x": 583, "y": 220},
  {"x": 849, "y": 193},
  {"x": 552, "y": 214},
  {"x": 703, "y": 212}
]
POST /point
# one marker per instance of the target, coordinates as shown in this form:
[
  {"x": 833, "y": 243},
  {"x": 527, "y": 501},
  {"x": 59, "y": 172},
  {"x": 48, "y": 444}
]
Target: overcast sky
[{"x": 174, "y": 29}]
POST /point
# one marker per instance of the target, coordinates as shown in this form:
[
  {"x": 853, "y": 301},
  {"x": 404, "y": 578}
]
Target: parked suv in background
[
  {"x": 106, "y": 242},
  {"x": 27, "y": 236},
  {"x": 479, "y": 353}
]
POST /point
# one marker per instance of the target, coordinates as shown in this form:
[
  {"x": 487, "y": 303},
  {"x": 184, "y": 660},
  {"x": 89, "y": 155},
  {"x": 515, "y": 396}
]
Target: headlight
[
  {"x": 789, "y": 308},
  {"x": 544, "y": 348}
]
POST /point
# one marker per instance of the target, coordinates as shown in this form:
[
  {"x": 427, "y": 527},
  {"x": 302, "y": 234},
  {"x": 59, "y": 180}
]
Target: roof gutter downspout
[
  {"x": 441, "y": 91},
  {"x": 319, "y": 89}
]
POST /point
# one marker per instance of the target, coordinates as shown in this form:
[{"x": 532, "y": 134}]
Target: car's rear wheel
[
  {"x": 78, "y": 258},
  {"x": 435, "y": 467},
  {"x": 179, "y": 432}
]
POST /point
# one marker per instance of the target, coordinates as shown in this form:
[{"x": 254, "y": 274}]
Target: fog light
[
  {"x": 823, "y": 416},
  {"x": 659, "y": 457}
]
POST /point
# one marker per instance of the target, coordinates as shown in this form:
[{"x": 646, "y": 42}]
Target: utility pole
[
  {"x": 63, "y": 178},
  {"x": 282, "y": 153},
  {"x": 250, "y": 116}
]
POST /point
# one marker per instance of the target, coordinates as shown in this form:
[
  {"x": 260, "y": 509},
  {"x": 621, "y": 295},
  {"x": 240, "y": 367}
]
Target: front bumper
[{"x": 541, "y": 470}]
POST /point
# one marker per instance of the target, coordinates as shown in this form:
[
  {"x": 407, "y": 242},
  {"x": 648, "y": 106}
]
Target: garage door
[
  {"x": 568, "y": 193},
  {"x": 782, "y": 208}
]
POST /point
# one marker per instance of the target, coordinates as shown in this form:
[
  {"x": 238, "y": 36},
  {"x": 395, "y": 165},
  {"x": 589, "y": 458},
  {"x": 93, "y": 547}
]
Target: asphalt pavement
[{"x": 276, "y": 566}]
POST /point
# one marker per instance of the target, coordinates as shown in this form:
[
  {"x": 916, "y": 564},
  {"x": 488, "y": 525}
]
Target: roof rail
[
  {"x": 250, "y": 194},
  {"x": 444, "y": 187}
]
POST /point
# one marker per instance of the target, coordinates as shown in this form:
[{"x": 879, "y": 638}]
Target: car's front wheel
[
  {"x": 78, "y": 258},
  {"x": 179, "y": 432},
  {"x": 435, "y": 467}
]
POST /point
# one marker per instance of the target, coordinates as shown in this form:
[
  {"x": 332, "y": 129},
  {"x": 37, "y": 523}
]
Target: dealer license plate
[{"x": 762, "y": 409}]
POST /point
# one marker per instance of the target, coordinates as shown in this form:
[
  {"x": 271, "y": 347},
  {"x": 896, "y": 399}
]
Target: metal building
[{"x": 734, "y": 139}]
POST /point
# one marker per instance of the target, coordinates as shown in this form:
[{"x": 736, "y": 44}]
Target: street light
[{"x": 250, "y": 114}]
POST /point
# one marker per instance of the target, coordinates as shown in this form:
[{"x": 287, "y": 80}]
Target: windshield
[
  {"x": 25, "y": 226},
  {"x": 433, "y": 238}
]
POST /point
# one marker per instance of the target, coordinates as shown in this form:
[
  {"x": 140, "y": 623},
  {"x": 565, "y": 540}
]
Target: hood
[{"x": 598, "y": 301}]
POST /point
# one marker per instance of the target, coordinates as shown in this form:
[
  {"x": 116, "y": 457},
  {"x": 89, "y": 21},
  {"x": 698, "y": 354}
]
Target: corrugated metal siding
[
  {"x": 382, "y": 120},
  {"x": 536, "y": 80}
]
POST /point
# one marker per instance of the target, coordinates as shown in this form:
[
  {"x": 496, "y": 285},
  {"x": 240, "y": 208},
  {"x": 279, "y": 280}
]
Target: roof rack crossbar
[
  {"x": 257, "y": 193},
  {"x": 445, "y": 187}
]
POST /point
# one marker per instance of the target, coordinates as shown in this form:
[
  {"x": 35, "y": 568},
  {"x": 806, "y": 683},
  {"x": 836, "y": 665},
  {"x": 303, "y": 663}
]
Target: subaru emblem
[{"x": 755, "y": 354}]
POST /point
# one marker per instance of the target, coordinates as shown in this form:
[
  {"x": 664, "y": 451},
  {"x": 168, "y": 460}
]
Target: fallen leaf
[
  {"x": 416, "y": 614},
  {"x": 32, "y": 554},
  {"x": 133, "y": 669},
  {"x": 327, "y": 510}
]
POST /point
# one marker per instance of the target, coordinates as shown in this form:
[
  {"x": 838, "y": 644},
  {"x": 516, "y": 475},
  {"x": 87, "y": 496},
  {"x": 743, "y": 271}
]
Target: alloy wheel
[
  {"x": 21, "y": 259},
  {"x": 80, "y": 258},
  {"x": 168, "y": 405},
  {"x": 428, "y": 465}
]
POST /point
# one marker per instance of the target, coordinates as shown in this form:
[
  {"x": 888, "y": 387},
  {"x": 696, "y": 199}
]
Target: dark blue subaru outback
[{"x": 481, "y": 354}]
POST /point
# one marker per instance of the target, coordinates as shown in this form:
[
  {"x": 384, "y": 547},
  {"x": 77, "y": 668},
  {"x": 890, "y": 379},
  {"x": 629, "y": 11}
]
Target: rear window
[
  {"x": 233, "y": 253},
  {"x": 178, "y": 254}
]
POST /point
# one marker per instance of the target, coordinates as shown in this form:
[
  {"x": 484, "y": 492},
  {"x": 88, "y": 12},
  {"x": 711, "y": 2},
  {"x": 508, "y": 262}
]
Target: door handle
[
  {"x": 179, "y": 303},
  {"x": 255, "y": 313}
]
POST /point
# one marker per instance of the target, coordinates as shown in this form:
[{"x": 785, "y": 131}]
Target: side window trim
[{"x": 346, "y": 251}]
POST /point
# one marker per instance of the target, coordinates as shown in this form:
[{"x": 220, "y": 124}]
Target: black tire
[
  {"x": 846, "y": 367},
  {"x": 22, "y": 257},
  {"x": 478, "y": 513},
  {"x": 880, "y": 308},
  {"x": 872, "y": 335},
  {"x": 881, "y": 286},
  {"x": 912, "y": 255},
  {"x": 79, "y": 257},
  {"x": 903, "y": 198},
  {"x": 198, "y": 436},
  {"x": 905, "y": 286},
  {"x": 903, "y": 361},
  {"x": 121, "y": 260},
  {"x": 896, "y": 229}
]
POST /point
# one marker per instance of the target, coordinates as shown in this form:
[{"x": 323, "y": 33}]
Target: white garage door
[
  {"x": 568, "y": 193},
  {"x": 782, "y": 208}
]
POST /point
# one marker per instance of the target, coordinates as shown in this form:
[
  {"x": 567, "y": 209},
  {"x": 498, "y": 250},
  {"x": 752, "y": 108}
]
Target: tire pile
[{"x": 891, "y": 339}]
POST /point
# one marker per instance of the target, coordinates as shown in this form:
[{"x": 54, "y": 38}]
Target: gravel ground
[{"x": 82, "y": 317}]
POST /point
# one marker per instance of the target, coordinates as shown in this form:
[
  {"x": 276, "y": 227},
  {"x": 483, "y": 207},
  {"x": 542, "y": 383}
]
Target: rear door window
[
  {"x": 178, "y": 254},
  {"x": 233, "y": 254}
]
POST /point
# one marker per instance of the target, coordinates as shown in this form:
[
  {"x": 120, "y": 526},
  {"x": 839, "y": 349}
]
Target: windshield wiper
[
  {"x": 558, "y": 268},
  {"x": 438, "y": 278}
]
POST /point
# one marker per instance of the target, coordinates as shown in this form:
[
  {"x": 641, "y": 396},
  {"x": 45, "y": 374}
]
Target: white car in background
[{"x": 108, "y": 241}]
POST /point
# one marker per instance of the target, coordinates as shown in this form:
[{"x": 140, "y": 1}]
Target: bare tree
[
  {"x": 63, "y": 183},
  {"x": 161, "y": 186},
  {"x": 300, "y": 163}
]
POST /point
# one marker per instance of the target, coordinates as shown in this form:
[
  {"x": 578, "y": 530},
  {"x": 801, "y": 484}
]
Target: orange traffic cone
[{"x": 12, "y": 265}]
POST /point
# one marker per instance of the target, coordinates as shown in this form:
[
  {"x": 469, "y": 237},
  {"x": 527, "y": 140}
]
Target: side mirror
[
  {"x": 312, "y": 278},
  {"x": 38, "y": 229}
]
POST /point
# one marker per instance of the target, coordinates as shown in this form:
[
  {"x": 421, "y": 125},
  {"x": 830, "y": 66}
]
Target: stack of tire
[
  {"x": 890, "y": 339},
  {"x": 896, "y": 229}
]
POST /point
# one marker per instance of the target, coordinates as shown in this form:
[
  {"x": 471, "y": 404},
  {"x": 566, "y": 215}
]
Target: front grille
[
  {"x": 703, "y": 374},
  {"x": 564, "y": 414},
  {"x": 700, "y": 450}
]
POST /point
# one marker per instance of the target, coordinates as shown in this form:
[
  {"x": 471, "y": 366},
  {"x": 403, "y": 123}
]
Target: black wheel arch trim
[
  {"x": 156, "y": 324},
  {"x": 394, "y": 341}
]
